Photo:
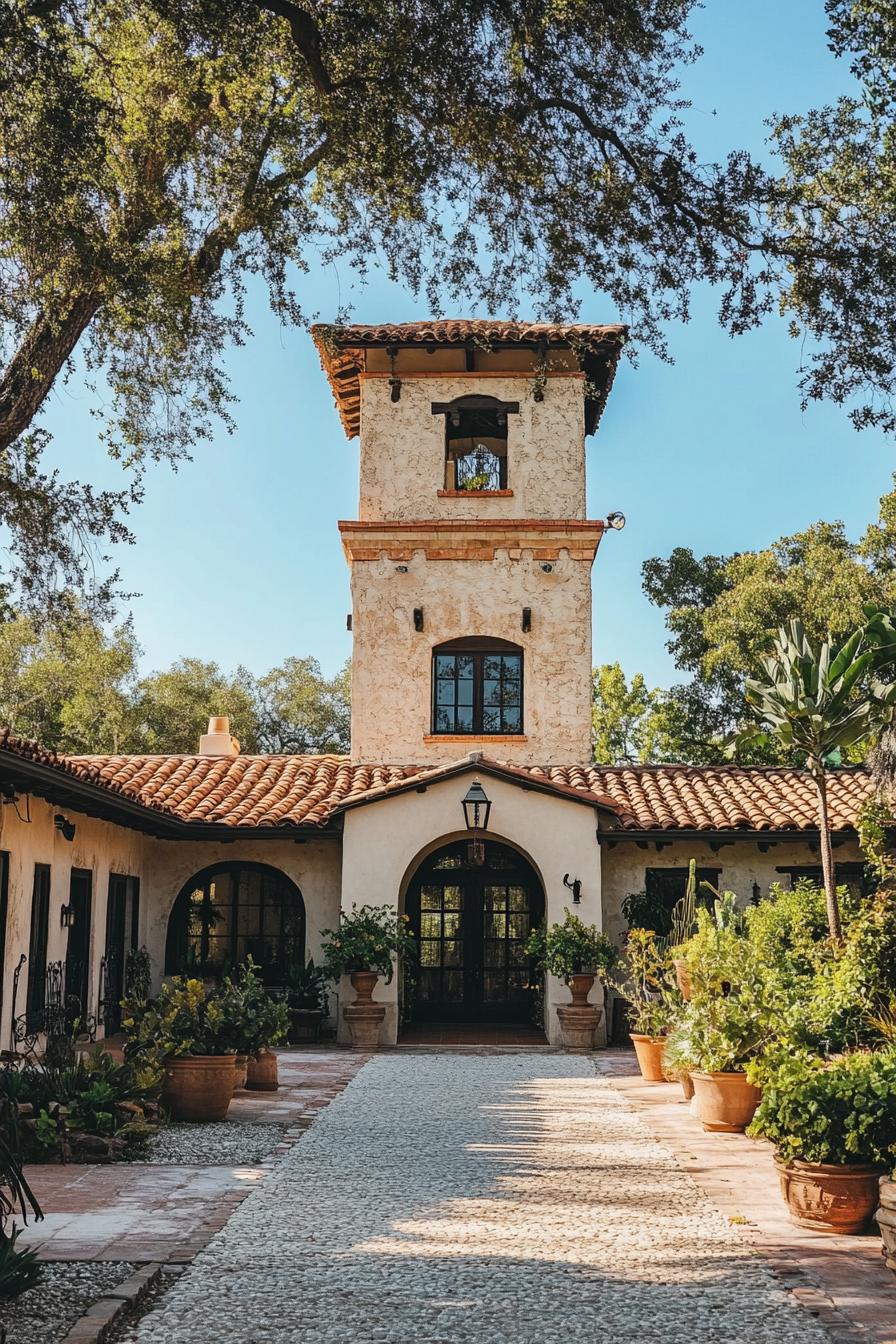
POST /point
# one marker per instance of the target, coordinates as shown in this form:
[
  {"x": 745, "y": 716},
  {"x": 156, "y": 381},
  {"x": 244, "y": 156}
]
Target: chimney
[{"x": 217, "y": 741}]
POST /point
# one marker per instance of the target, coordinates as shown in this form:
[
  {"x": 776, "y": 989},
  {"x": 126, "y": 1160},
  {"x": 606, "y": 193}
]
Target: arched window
[
  {"x": 475, "y": 442},
  {"x": 477, "y": 687},
  {"x": 232, "y": 911}
]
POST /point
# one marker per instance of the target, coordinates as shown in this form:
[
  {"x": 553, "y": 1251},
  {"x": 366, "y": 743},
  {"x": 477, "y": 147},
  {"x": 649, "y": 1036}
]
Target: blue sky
[{"x": 238, "y": 558}]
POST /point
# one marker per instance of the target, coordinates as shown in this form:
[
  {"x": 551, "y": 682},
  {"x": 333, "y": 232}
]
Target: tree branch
[{"x": 306, "y": 39}]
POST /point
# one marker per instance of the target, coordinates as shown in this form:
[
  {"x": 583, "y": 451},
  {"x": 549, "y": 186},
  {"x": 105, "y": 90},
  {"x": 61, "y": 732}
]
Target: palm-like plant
[{"x": 818, "y": 699}]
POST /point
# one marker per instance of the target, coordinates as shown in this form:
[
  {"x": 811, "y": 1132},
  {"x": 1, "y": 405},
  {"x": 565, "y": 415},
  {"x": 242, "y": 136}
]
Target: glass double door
[{"x": 471, "y": 923}]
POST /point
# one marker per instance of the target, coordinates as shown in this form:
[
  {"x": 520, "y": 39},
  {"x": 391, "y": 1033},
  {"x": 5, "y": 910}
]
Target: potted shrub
[
  {"x": 833, "y": 1124},
  {"x": 364, "y": 947},
  {"x": 306, "y": 996},
  {"x": 186, "y": 1027},
  {"x": 253, "y": 1020},
  {"x": 728, "y": 1020},
  {"x": 577, "y": 953},
  {"x": 650, "y": 1012}
]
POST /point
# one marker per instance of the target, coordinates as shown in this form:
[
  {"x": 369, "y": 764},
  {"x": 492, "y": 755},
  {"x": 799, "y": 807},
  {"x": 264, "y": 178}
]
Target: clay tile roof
[
  {"x": 256, "y": 792},
  {"x": 244, "y": 791},
  {"x": 717, "y": 798},
  {"x": 341, "y": 352}
]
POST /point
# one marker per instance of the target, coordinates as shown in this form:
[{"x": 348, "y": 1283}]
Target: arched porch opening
[
  {"x": 471, "y": 921},
  {"x": 231, "y": 911}
]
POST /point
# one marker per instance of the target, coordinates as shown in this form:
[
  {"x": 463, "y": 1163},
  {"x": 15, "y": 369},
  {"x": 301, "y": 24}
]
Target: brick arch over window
[
  {"x": 231, "y": 911},
  {"x": 477, "y": 687}
]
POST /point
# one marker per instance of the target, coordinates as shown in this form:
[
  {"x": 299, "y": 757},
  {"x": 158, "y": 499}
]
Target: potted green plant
[
  {"x": 730, "y": 1018},
  {"x": 364, "y": 947},
  {"x": 577, "y": 953},
  {"x": 833, "y": 1124},
  {"x": 187, "y": 1028},
  {"x": 252, "y": 1021},
  {"x": 306, "y": 995},
  {"x": 650, "y": 1005}
]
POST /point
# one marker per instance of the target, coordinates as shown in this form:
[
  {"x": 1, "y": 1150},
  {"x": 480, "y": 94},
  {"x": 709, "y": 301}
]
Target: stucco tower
[{"x": 471, "y": 555}]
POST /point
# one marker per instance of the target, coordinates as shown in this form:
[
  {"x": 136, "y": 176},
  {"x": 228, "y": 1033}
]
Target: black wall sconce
[
  {"x": 65, "y": 827},
  {"x": 575, "y": 887},
  {"x": 527, "y": 620},
  {"x": 348, "y": 622},
  {"x": 67, "y": 916},
  {"x": 394, "y": 383},
  {"x": 418, "y": 618}
]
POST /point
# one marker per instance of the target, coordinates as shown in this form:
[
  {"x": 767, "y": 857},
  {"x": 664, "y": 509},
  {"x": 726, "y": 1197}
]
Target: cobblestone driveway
[{"x": 450, "y": 1198}]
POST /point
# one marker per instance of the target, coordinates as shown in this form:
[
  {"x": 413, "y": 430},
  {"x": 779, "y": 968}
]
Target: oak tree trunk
[{"x": 36, "y": 364}]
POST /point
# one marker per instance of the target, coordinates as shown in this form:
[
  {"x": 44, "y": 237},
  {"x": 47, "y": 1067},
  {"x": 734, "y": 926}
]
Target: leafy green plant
[
  {"x": 253, "y": 1019},
  {"x": 19, "y": 1269},
  {"x": 368, "y": 938},
  {"x": 306, "y": 986},
  {"x": 818, "y": 698},
  {"x": 646, "y": 984},
  {"x": 646, "y": 911},
  {"x": 187, "y": 1018},
  {"x": 735, "y": 1007},
  {"x": 838, "y": 1111},
  {"x": 571, "y": 948}
]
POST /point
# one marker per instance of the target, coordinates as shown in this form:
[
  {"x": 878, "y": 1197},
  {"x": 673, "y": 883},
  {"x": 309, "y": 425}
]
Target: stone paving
[
  {"x": 167, "y": 1209},
  {"x": 447, "y": 1199}
]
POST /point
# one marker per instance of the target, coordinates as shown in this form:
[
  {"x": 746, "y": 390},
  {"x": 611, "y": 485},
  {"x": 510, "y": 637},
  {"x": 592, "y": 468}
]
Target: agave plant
[{"x": 818, "y": 699}]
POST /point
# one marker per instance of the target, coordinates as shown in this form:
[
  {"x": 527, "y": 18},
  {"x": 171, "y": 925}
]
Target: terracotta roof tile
[
  {"x": 688, "y": 797},
  {"x": 341, "y": 352},
  {"x": 264, "y": 791}
]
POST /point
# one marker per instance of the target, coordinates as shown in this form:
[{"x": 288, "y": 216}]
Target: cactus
[{"x": 684, "y": 914}]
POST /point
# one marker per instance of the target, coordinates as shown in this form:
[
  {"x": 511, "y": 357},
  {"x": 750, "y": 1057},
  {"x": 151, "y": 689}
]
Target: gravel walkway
[
  {"x": 230, "y": 1143},
  {"x": 47, "y": 1311},
  {"x": 511, "y": 1199}
]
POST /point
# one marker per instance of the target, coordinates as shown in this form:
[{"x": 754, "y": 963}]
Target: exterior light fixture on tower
[{"x": 616, "y": 521}]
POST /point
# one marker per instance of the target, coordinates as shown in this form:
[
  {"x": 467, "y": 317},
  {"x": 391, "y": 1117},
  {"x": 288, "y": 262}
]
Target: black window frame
[
  {"x": 292, "y": 943},
  {"x": 477, "y": 649},
  {"x": 38, "y": 944}
]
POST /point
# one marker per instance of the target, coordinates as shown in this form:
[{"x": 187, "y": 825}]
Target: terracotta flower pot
[
  {"x": 725, "y": 1101},
  {"x": 578, "y": 1025},
  {"x": 240, "y": 1065},
  {"x": 886, "y": 1221},
  {"x": 580, "y": 986},
  {"x": 683, "y": 977},
  {"x": 261, "y": 1072},
  {"x": 198, "y": 1087},
  {"x": 649, "y": 1050},
  {"x": 687, "y": 1084},
  {"x": 364, "y": 1017},
  {"x": 829, "y": 1198}
]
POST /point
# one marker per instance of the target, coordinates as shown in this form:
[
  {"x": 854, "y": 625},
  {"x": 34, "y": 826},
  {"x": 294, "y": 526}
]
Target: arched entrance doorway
[
  {"x": 232, "y": 911},
  {"x": 471, "y": 922}
]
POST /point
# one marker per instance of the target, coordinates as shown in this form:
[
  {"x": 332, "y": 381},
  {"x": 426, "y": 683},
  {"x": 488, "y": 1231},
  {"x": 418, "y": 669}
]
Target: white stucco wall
[
  {"x": 742, "y": 864},
  {"x": 403, "y": 448},
  {"x": 314, "y": 866},
  {"x": 392, "y": 662},
  {"x": 98, "y": 846},
  {"x": 384, "y": 844}
]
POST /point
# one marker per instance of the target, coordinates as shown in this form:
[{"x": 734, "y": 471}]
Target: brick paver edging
[{"x": 95, "y": 1324}]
